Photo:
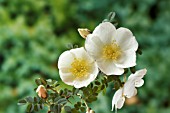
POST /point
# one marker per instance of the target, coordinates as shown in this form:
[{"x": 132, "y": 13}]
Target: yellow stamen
[
  {"x": 111, "y": 51},
  {"x": 79, "y": 67}
]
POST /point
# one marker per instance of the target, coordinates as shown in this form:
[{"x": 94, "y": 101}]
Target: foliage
[{"x": 34, "y": 32}]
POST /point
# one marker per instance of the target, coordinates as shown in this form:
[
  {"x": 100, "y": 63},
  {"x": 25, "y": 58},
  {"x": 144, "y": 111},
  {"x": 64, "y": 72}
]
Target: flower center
[
  {"x": 111, "y": 51},
  {"x": 79, "y": 67}
]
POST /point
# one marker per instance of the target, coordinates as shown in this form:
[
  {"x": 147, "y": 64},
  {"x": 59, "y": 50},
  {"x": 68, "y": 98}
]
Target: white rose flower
[
  {"x": 113, "y": 49},
  {"x": 129, "y": 89},
  {"x": 77, "y": 68}
]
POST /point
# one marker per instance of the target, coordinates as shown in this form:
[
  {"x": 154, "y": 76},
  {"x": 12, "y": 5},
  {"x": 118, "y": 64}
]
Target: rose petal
[
  {"x": 125, "y": 39},
  {"x": 127, "y": 59},
  {"x": 109, "y": 68},
  {"x": 105, "y": 31}
]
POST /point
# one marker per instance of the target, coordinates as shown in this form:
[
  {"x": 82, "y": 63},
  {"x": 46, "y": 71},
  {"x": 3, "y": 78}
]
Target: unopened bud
[
  {"x": 84, "y": 32},
  {"x": 42, "y": 92}
]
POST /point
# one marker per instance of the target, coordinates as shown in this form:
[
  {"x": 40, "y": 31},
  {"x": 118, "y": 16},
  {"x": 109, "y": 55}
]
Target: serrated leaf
[
  {"x": 22, "y": 102},
  {"x": 83, "y": 109},
  {"x": 36, "y": 108},
  {"x": 61, "y": 92},
  {"x": 95, "y": 89},
  {"x": 97, "y": 82},
  {"x": 36, "y": 99},
  {"x": 38, "y": 82},
  {"x": 62, "y": 101},
  {"x": 76, "y": 91},
  {"x": 52, "y": 107},
  {"x": 76, "y": 106},
  {"x": 44, "y": 82},
  {"x": 79, "y": 103},
  {"x": 30, "y": 108},
  {"x": 29, "y": 99},
  {"x": 74, "y": 111},
  {"x": 67, "y": 108},
  {"x": 57, "y": 98},
  {"x": 102, "y": 87},
  {"x": 41, "y": 106}
]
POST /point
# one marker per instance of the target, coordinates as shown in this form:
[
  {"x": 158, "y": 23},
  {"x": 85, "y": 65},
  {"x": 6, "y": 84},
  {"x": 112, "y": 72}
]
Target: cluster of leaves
[{"x": 55, "y": 100}]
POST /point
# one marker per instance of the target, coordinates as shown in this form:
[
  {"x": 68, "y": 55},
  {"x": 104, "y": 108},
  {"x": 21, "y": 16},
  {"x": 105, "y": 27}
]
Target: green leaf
[
  {"x": 97, "y": 82},
  {"x": 36, "y": 108},
  {"x": 22, "y": 102},
  {"x": 95, "y": 89},
  {"x": 62, "y": 101},
  {"x": 83, "y": 109},
  {"x": 57, "y": 98},
  {"x": 36, "y": 99},
  {"x": 79, "y": 103},
  {"x": 61, "y": 92},
  {"x": 76, "y": 106},
  {"x": 30, "y": 108},
  {"x": 29, "y": 99},
  {"x": 44, "y": 82},
  {"x": 91, "y": 99},
  {"x": 102, "y": 87},
  {"x": 75, "y": 91},
  {"x": 38, "y": 82},
  {"x": 74, "y": 111},
  {"x": 56, "y": 108},
  {"x": 41, "y": 106},
  {"x": 67, "y": 108},
  {"x": 52, "y": 107}
]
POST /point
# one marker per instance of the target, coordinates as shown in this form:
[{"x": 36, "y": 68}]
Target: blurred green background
[{"x": 33, "y": 33}]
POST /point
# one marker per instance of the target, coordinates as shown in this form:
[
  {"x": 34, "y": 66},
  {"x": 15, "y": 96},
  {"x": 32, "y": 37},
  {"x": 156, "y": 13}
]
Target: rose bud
[{"x": 42, "y": 92}]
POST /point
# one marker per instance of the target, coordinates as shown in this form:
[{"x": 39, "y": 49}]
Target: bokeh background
[{"x": 33, "y": 33}]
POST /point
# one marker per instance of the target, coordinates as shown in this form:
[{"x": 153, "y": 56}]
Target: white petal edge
[
  {"x": 129, "y": 88},
  {"x": 116, "y": 97},
  {"x": 120, "y": 102},
  {"x": 106, "y": 32},
  {"x": 127, "y": 59},
  {"x": 93, "y": 46},
  {"x": 125, "y": 39},
  {"x": 67, "y": 78},
  {"x": 81, "y": 53},
  {"x": 109, "y": 68},
  {"x": 65, "y": 59},
  {"x": 138, "y": 74},
  {"x": 139, "y": 83}
]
